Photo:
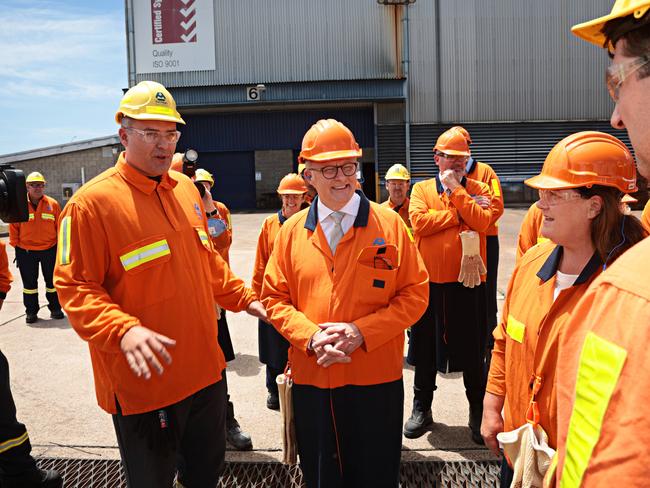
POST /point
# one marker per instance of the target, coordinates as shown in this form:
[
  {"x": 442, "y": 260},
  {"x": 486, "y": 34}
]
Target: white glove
[{"x": 471, "y": 264}]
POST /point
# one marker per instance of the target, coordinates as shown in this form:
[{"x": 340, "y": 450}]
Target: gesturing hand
[{"x": 141, "y": 347}]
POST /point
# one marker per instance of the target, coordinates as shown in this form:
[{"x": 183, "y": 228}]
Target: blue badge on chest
[
  {"x": 216, "y": 227},
  {"x": 379, "y": 241}
]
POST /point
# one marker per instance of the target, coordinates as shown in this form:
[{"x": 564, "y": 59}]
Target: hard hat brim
[
  {"x": 402, "y": 178},
  {"x": 591, "y": 31},
  {"x": 454, "y": 152},
  {"x": 291, "y": 192},
  {"x": 333, "y": 156},
  {"x": 165, "y": 118},
  {"x": 545, "y": 182}
]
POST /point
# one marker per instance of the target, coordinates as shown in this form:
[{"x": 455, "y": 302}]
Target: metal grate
[{"x": 88, "y": 473}]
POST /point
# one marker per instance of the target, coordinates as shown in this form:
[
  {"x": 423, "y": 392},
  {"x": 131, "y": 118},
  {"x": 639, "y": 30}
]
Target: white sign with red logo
[{"x": 173, "y": 35}]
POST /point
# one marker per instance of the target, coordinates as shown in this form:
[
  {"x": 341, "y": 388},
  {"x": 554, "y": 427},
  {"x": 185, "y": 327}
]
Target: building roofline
[{"x": 59, "y": 149}]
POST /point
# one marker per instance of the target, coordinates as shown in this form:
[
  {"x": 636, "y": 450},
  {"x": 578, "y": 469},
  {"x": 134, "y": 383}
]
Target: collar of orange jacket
[
  {"x": 140, "y": 181},
  {"x": 360, "y": 221},
  {"x": 549, "y": 268}
]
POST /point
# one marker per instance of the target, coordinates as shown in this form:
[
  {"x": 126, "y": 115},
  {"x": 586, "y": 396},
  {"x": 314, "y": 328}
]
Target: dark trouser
[
  {"x": 15, "y": 458},
  {"x": 450, "y": 336},
  {"x": 195, "y": 446},
  {"x": 273, "y": 349},
  {"x": 28, "y": 262},
  {"x": 506, "y": 474},
  {"x": 492, "y": 250},
  {"x": 349, "y": 436}
]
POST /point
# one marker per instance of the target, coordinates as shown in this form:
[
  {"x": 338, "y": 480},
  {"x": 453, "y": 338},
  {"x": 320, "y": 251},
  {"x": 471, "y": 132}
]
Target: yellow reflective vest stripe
[
  {"x": 6, "y": 445},
  {"x": 515, "y": 329},
  {"x": 145, "y": 254},
  {"x": 64, "y": 240},
  {"x": 47, "y": 216},
  {"x": 599, "y": 368}
]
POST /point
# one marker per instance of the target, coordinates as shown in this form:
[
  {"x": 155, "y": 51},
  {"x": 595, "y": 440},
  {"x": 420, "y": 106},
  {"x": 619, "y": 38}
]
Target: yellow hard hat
[
  {"x": 397, "y": 172},
  {"x": 591, "y": 31},
  {"x": 203, "y": 175},
  {"x": 301, "y": 168},
  {"x": 35, "y": 177},
  {"x": 148, "y": 100}
]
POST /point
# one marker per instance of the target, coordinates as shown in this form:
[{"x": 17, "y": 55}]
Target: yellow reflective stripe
[
  {"x": 159, "y": 110},
  {"x": 541, "y": 239},
  {"x": 31, "y": 216},
  {"x": 229, "y": 222},
  {"x": 431, "y": 210},
  {"x": 46, "y": 216},
  {"x": 50, "y": 290},
  {"x": 515, "y": 329},
  {"x": 64, "y": 240},
  {"x": 6, "y": 445},
  {"x": 599, "y": 368},
  {"x": 410, "y": 232},
  {"x": 205, "y": 240},
  {"x": 495, "y": 188},
  {"x": 145, "y": 254},
  {"x": 29, "y": 291}
]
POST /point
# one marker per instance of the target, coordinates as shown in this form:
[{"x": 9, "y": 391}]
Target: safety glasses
[
  {"x": 616, "y": 74},
  {"x": 153, "y": 136},
  {"x": 557, "y": 197}
]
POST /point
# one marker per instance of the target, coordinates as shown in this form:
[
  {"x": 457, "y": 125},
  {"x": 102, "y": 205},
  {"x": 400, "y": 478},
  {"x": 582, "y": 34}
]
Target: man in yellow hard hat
[
  {"x": 139, "y": 278},
  {"x": 398, "y": 184},
  {"x": 603, "y": 370},
  {"x": 35, "y": 243}
]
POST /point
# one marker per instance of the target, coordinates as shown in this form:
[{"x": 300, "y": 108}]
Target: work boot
[
  {"x": 237, "y": 438},
  {"x": 57, "y": 314},
  {"x": 30, "y": 318},
  {"x": 272, "y": 401},
  {"x": 475, "y": 417},
  {"x": 36, "y": 479},
  {"x": 421, "y": 418}
]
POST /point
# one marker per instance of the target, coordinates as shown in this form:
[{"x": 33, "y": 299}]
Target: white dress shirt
[{"x": 350, "y": 209}]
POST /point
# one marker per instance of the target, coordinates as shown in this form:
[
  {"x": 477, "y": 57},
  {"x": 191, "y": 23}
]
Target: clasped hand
[{"x": 335, "y": 342}]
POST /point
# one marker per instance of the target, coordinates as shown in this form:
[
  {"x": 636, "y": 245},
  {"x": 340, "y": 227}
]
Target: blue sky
[{"x": 62, "y": 70}]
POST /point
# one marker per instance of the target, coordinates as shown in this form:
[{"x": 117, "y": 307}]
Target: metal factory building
[{"x": 251, "y": 76}]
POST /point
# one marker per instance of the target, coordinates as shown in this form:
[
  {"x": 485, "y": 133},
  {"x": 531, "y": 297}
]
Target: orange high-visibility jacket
[
  {"x": 5, "y": 275},
  {"x": 645, "y": 217},
  {"x": 526, "y": 340},
  {"x": 376, "y": 280},
  {"x": 529, "y": 235},
  {"x": 403, "y": 210},
  {"x": 136, "y": 252},
  {"x": 223, "y": 242},
  {"x": 438, "y": 220},
  {"x": 270, "y": 229},
  {"x": 479, "y": 171},
  {"x": 603, "y": 382},
  {"x": 39, "y": 232}
]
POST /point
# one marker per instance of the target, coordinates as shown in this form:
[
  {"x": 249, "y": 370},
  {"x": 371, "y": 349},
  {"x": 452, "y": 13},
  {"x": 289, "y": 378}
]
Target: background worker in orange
[
  {"x": 603, "y": 379},
  {"x": 272, "y": 345},
  {"x": 479, "y": 171},
  {"x": 220, "y": 231},
  {"x": 450, "y": 336},
  {"x": 398, "y": 184},
  {"x": 580, "y": 188},
  {"x": 343, "y": 283},
  {"x": 139, "y": 277},
  {"x": 529, "y": 232},
  {"x": 35, "y": 243}
]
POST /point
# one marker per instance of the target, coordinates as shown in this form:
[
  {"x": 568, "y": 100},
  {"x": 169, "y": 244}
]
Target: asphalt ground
[{"x": 52, "y": 381}]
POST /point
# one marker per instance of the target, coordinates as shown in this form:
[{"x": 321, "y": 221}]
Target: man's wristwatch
[{"x": 210, "y": 214}]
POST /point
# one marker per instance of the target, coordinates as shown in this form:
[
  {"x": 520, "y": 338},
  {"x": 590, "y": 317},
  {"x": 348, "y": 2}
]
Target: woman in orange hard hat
[
  {"x": 272, "y": 346},
  {"x": 580, "y": 188}
]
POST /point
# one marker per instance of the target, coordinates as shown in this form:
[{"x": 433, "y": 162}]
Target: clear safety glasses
[
  {"x": 557, "y": 197},
  {"x": 153, "y": 136},
  {"x": 616, "y": 74}
]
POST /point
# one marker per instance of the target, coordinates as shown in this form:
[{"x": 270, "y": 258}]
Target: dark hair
[
  {"x": 612, "y": 233},
  {"x": 636, "y": 33}
]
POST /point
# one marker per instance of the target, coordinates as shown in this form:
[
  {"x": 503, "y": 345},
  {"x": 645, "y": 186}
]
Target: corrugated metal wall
[
  {"x": 504, "y": 61},
  {"x": 262, "y": 41}
]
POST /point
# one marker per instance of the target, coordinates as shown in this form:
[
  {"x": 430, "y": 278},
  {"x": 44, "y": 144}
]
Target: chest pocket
[
  {"x": 376, "y": 274},
  {"x": 515, "y": 329},
  {"x": 147, "y": 272}
]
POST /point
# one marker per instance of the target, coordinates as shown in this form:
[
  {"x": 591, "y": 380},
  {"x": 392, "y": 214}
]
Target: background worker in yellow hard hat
[
  {"x": 398, "y": 184},
  {"x": 449, "y": 223},
  {"x": 603, "y": 375},
  {"x": 272, "y": 346},
  {"x": 139, "y": 278},
  {"x": 220, "y": 230},
  {"x": 35, "y": 243},
  {"x": 480, "y": 171}
]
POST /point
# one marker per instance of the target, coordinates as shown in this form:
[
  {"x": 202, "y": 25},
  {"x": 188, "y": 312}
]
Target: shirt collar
[
  {"x": 358, "y": 201},
  {"x": 281, "y": 217},
  {"x": 441, "y": 189},
  {"x": 140, "y": 181},
  {"x": 549, "y": 268},
  {"x": 471, "y": 165}
]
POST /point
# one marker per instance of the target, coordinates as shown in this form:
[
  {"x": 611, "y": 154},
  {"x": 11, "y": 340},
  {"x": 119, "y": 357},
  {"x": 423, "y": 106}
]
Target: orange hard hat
[
  {"x": 177, "y": 162},
  {"x": 586, "y": 159},
  {"x": 292, "y": 184},
  {"x": 453, "y": 143},
  {"x": 463, "y": 131},
  {"x": 328, "y": 140}
]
